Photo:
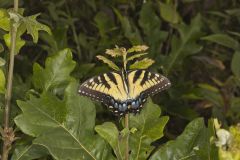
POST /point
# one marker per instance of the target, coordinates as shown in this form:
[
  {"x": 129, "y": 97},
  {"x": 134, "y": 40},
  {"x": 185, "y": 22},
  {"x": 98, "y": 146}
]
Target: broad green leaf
[
  {"x": 33, "y": 27},
  {"x": 48, "y": 109},
  {"x": 149, "y": 127},
  {"x": 108, "y": 62},
  {"x": 185, "y": 45},
  {"x": 2, "y": 81},
  {"x": 4, "y": 20},
  {"x": 56, "y": 72},
  {"x": 193, "y": 143},
  {"x": 110, "y": 133},
  {"x": 136, "y": 56},
  {"x": 169, "y": 13},
  {"x": 138, "y": 48},
  {"x": 19, "y": 42},
  {"x": 142, "y": 64},
  {"x": 235, "y": 65},
  {"x": 145, "y": 128},
  {"x": 64, "y": 127},
  {"x": 28, "y": 152},
  {"x": 224, "y": 40}
]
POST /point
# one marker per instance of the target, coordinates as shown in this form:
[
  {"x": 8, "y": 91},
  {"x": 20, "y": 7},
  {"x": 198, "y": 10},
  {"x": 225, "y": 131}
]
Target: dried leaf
[
  {"x": 116, "y": 52},
  {"x": 143, "y": 64},
  {"x": 108, "y": 62},
  {"x": 138, "y": 48}
]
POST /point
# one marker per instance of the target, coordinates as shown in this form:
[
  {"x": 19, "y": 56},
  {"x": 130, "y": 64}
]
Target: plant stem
[
  {"x": 127, "y": 137},
  {"x": 127, "y": 115},
  {"x": 8, "y": 132}
]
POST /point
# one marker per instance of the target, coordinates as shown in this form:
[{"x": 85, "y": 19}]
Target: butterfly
[{"x": 124, "y": 91}]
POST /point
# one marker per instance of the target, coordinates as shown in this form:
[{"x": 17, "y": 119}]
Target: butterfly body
[{"x": 124, "y": 91}]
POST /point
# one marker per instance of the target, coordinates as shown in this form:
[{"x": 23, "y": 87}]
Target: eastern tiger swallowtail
[{"x": 124, "y": 91}]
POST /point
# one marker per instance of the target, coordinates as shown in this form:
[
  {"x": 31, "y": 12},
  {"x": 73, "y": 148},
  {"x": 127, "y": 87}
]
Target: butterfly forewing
[
  {"x": 143, "y": 82},
  {"x": 104, "y": 88}
]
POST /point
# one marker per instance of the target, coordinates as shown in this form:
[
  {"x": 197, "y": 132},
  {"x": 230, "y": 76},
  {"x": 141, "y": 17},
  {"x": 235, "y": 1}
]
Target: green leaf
[
  {"x": 193, "y": 143},
  {"x": 33, "y": 27},
  {"x": 50, "y": 110},
  {"x": 2, "y": 62},
  {"x": 2, "y": 82},
  {"x": 56, "y": 72},
  {"x": 169, "y": 13},
  {"x": 4, "y": 20},
  {"x": 235, "y": 66},
  {"x": 64, "y": 127},
  {"x": 19, "y": 42},
  {"x": 149, "y": 127},
  {"x": 110, "y": 133},
  {"x": 138, "y": 48},
  {"x": 136, "y": 56},
  {"x": 28, "y": 152},
  {"x": 145, "y": 128},
  {"x": 224, "y": 40},
  {"x": 185, "y": 45},
  {"x": 142, "y": 64},
  {"x": 108, "y": 62}
]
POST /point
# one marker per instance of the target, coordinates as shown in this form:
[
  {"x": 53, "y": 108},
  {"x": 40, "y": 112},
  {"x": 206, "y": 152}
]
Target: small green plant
[
  {"x": 142, "y": 64},
  {"x": 122, "y": 52},
  {"x": 15, "y": 24}
]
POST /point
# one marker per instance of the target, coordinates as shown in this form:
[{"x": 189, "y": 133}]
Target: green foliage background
[{"x": 195, "y": 43}]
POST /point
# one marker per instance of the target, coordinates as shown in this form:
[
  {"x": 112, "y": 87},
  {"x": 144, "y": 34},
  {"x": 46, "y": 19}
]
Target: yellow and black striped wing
[
  {"x": 144, "y": 83},
  {"x": 107, "y": 88}
]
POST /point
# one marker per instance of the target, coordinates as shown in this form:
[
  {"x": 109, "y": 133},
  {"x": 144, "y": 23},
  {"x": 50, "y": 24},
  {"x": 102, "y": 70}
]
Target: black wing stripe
[
  {"x": 96, "y": 80},
  {"x": 105, "y": 83},
  {"x": 152, "y": 75},
  {"x": 145, "y": 78},
  {"x": 162, "y": 85},
  {"x": 137, "y": 75},
  {"x": 112, "y": 78}
]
